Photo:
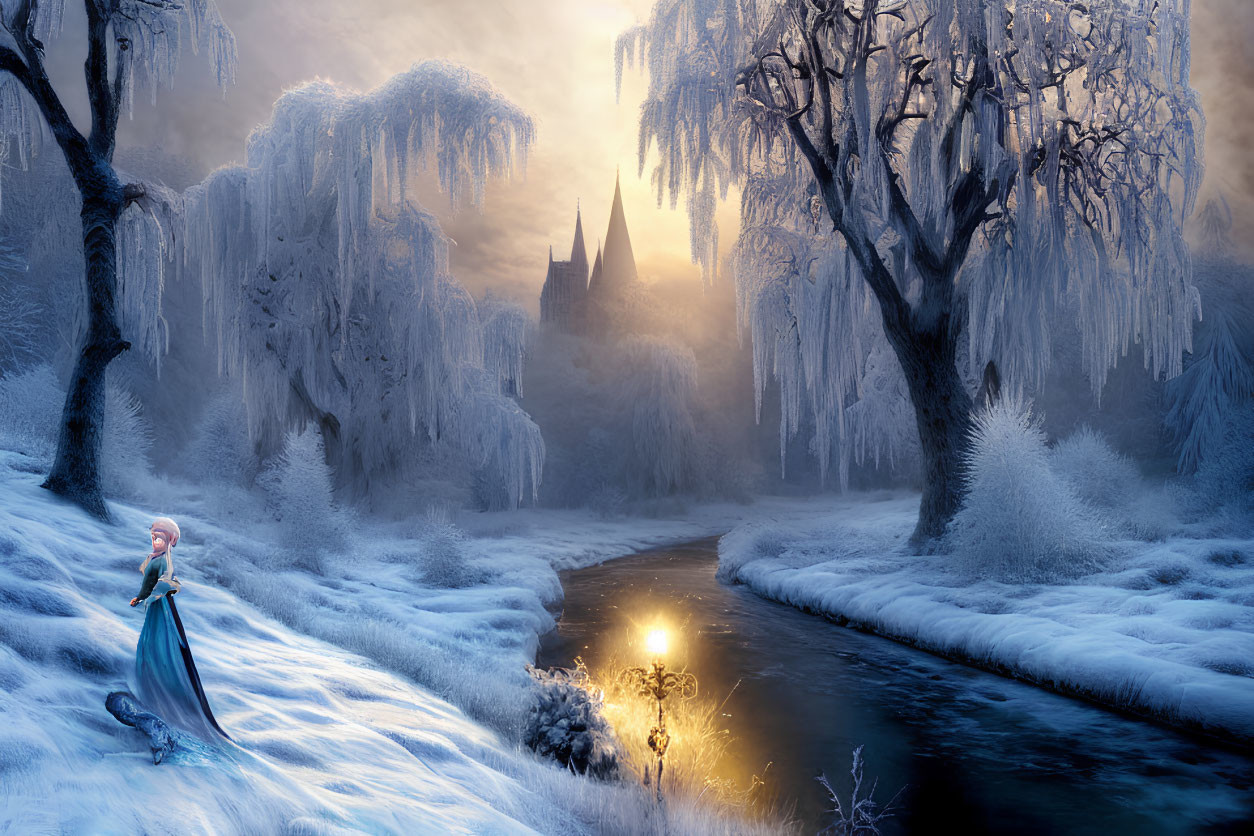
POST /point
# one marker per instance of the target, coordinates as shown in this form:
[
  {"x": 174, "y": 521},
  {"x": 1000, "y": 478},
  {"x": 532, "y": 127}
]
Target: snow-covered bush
[
  {"x": 30, "y": 406},
  {"x": 125, "y": 467},
  {"x": 298, "y": 482},
  {"x": 444, "y": 560},
  {"x": 1110, "y": 482},
  {"x": 219, "y": 450},
  {"x": 1096, "y": 472},
  {"x": 566, "y": 723},
  {"x": 1021, "y": 521},
  {"x": 1223, "y": 487},
  {"x": 31, "y": 401}
]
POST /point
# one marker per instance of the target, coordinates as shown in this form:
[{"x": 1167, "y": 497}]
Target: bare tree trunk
[
  {"x": 942, "y": 411},
  {"x": 926, "y": 348},
  {"x": 76, "y": 471}
]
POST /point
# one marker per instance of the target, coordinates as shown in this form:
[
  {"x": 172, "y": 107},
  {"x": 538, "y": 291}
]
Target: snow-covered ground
[
  {"x": 1166, "y": 628},
  {"x": 361, "y": 697}
]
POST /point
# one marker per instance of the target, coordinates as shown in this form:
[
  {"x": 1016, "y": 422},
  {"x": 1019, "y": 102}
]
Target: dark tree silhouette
[{"x": 140, "y": 39}]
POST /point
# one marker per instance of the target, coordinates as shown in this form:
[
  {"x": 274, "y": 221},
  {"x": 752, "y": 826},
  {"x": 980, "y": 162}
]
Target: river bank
[
  {"x": 1165, "y": 631},
  {"x": 973, "y": 749}
]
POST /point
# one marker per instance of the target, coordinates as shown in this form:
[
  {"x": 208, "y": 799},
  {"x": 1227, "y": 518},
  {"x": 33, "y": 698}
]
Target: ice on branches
[
  {"x": 148, "y": 37},
  {"x": 990, "y": 164},
  {"x": 659, "y": 395},
  {"x": 145, "y": 251},
  {"x": 327, "y": 287}
]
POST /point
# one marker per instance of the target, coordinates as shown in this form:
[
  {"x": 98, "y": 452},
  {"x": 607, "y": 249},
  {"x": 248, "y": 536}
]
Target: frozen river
[{"x": 976, "y": 753}]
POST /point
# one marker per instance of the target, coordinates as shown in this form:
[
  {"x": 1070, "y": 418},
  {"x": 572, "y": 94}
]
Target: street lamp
[{"x": 659, "y": 683}]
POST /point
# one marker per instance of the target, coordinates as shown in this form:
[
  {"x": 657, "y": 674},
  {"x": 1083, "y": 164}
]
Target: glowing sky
[{"x": 555, "y": 59}]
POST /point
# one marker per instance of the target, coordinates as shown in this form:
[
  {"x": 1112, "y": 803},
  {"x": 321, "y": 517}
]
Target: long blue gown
[{"x": 168, "y": 683}]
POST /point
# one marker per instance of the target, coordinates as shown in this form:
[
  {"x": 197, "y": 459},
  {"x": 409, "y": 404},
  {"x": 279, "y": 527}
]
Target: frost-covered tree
[
  {"x": 958, "y": 167},
  {"x": 658, "y": 397},
  {"x": 1218, "y": 379},
  {"x": 327, "y": 284},
  {"x": 128, "y": 41}
]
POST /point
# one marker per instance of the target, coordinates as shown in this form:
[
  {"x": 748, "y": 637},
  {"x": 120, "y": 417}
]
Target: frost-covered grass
[
  {"x": 31, "y": 400},
  {"x": 382, "y": 688},
  {"x": 1165, "y": 628}
]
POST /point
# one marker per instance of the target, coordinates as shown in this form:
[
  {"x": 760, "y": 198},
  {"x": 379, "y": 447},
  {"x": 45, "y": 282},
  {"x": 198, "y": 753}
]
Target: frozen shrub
[
  {"x": 444, "y": 560},
  {"x": 1110, "y": 481},
  {"x": 30, "y": 416},
  {"x": 219, "y": 450},
  {"x": 863, "y": 814},
  {"x": 125, "y": 467},
  {"x": 1098, "y": 475},
  {"x": 566, "y": 723},
  {"x": 1020, "y": 521},
  {"x": 30, "y": 407},
  {"x": 299, "y": 485}
]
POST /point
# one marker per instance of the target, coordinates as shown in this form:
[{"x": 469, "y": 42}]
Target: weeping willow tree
[
  {"x": 954, "y": 169},
  {"x": 128, "y": 42},
  {"x": 327, "y": 284}
]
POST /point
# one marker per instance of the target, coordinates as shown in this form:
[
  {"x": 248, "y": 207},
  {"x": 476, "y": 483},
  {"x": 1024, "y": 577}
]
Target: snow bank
[
  {"x": 362, "y": 696},
  {"x": 328, "y": 741},
  {"x": 1166, "y": 630}
]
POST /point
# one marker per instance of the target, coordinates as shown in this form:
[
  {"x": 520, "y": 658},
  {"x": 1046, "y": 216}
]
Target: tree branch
[
  {"x": 104, "y": 117},
  {"x": 31, "y": 75},
  {"x": 921, "y": 251}
]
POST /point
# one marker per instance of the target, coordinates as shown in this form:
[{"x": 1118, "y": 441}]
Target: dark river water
[{"x": 974, "y": 752}]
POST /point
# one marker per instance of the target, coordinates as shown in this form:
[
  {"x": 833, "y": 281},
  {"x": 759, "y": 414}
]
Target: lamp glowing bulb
[{"x": 656, "y": 642}]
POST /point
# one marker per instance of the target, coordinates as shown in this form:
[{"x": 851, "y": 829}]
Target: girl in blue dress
[{"x": 168, "y": 683}]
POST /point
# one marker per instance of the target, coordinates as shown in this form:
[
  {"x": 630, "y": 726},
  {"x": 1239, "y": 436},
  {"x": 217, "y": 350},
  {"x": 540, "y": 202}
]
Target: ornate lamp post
[{"x": 658, "y": 683}]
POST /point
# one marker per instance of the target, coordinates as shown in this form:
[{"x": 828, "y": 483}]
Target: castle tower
[
  {"x": 619, "y": 262},
  {"x": 596, "y": 268},
  {"x": 566, "y": 284}
]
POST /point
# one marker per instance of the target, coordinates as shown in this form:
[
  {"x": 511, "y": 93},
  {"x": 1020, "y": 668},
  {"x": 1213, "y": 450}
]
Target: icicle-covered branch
[
  {"x": 984, "y": 167},
  {"x": 327, "y": 285}
]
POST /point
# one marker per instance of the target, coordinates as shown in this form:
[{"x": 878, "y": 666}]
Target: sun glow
[{"x": 655, "y": 642}]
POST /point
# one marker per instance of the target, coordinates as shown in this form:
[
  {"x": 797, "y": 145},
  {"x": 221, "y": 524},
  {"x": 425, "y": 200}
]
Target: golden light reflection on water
[{"x": 705, "y": 759}]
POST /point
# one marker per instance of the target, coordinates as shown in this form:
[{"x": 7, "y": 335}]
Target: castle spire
[
  {"x": 578, "y": 256},
  {"x": 618, "y": 260},
  {"x": 596, "y": 268}
]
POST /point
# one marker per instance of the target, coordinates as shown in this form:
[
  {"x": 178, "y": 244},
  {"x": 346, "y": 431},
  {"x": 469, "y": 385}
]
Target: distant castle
[{"x": 571, "y": 300}]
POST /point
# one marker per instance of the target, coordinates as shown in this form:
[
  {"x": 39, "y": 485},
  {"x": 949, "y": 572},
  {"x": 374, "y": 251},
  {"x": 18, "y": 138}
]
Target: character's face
[{"x": 158, "y": 541}]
